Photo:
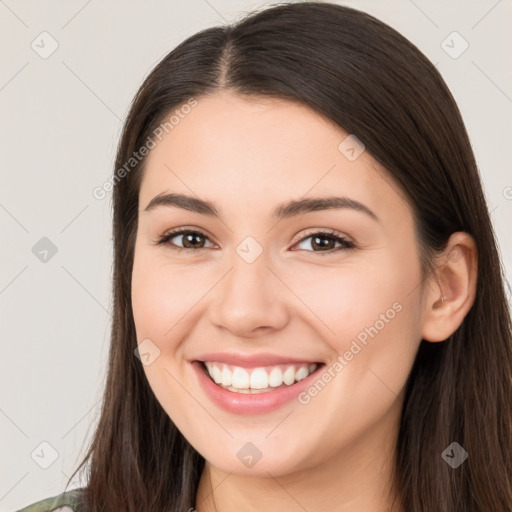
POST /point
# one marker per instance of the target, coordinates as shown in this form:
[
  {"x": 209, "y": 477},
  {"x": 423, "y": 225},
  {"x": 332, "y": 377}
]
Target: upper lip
[{"x": 250, "y": 360}]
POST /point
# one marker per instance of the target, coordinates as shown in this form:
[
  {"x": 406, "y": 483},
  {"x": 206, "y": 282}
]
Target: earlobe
[{"x": 452, "y": 288}]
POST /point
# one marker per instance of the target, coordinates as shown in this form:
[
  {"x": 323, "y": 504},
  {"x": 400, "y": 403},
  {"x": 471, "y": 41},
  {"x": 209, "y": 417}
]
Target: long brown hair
[{"x": 371, "y": 81}]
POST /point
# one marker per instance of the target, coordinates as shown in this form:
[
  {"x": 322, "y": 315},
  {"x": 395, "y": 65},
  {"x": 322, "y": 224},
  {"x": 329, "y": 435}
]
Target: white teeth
[
  {"x": 275, "y": 377},
  {"x": 259, "y": 379},
  {"x": 226, "y": 377},
  {"x": 240, "y": 378},
  {"x": 289, "y": 376},
  {"x": 302, "y": 373},
  {"x": 236, "y": 378},
  {"x": 216, "y": 374}
]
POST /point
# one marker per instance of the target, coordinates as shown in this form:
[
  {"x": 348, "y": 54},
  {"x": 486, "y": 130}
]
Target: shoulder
[{"x": 70, "y": 501}]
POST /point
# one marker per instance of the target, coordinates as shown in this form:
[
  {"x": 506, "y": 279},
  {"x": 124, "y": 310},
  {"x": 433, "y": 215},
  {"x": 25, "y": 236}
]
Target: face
[{"x": 309, "y": 319}]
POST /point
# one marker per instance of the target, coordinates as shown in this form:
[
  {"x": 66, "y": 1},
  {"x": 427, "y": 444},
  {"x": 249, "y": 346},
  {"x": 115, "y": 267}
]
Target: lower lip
[{"x": 243, "y": 403}]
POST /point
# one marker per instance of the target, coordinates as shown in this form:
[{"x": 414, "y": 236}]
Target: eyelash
[{"x": 333, "y": 235}]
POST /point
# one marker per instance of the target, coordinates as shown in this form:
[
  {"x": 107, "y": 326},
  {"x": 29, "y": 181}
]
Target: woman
[{"x": 247, "y": 371}]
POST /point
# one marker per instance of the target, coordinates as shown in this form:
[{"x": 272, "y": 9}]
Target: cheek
[
  {"x": 368, "y": 313},
  {"x": 161, "y": 295},
  {"x": 348, "y": 298},
  {"x": 374, "y": 334},
  {"x": 163, "y": 300}
]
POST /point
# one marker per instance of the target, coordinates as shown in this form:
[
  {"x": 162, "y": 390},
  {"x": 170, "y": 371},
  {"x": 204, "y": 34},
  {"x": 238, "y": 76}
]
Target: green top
[{"x": 70, "y": 501}]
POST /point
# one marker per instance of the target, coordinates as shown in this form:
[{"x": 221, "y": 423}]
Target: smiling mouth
[{"x": 263, "y": 379}]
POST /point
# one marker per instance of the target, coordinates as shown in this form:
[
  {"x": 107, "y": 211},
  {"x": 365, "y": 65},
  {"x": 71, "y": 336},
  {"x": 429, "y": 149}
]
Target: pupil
[
  {"x": 323, "y": 245},
  {"x": 192, "y": 236}
]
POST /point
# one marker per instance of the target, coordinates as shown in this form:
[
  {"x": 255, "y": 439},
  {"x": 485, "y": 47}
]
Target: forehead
[{"x": 251, "y": 153}]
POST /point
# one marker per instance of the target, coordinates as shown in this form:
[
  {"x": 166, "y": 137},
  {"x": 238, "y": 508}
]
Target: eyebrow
[{"x": 287, "y": 210}]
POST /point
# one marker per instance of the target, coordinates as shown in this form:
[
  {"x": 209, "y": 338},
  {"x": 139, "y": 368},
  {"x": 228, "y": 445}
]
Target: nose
[{"x": 250, "y": 300}]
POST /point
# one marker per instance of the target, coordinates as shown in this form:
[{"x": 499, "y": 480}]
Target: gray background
[{"x": 61, "y": 117}]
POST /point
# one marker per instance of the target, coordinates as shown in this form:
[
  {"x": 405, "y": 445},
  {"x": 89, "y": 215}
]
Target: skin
[{"x": 247, "y": 157}]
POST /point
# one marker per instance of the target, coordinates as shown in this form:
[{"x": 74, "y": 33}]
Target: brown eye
[
  {"x": 191, "y": 240},
  {"x": 324, "y": 242}
]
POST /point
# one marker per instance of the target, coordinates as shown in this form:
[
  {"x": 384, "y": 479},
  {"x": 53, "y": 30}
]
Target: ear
[{"x": 451, "y": 290}]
